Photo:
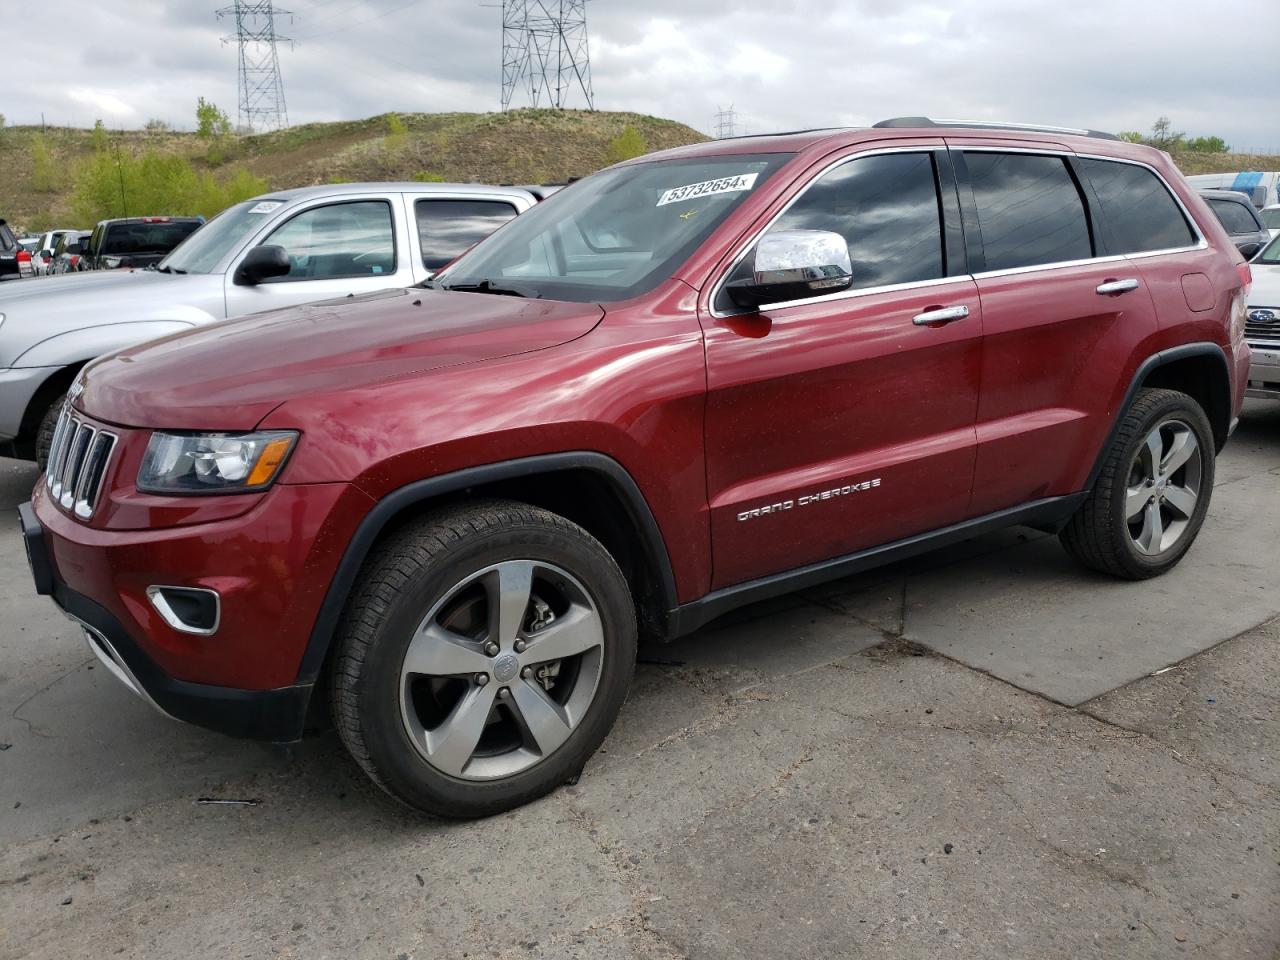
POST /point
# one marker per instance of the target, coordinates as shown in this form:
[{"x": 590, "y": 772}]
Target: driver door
[
  {"x": 335, "y": 249},
  {"x": 840, "y": 422}
]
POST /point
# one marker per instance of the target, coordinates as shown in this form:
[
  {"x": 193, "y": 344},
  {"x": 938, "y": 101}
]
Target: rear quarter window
[{"x": 1140, "y": 212}]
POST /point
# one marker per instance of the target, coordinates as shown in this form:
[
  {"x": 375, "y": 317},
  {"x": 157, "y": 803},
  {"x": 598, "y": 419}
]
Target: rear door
[
  {"x": 336, "y": 248},
  {"x": 1062, "y": 321},
  {"x": 838, "y": 423}
]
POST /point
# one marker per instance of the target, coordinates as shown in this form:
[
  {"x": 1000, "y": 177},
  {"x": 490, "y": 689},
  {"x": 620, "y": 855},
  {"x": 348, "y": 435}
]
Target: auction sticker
[
  {"x": 734, "y": 184},
  {"x": 265, "y": 206}
]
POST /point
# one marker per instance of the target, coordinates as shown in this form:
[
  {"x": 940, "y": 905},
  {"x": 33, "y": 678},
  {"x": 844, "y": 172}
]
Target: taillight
[
  {"x": 23, "y": 256},
  {"x": 1246, "y": 276},
  {"x": 46, "y": 258}
]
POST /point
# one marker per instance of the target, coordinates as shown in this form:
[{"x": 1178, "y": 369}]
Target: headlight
[{"x": 214, "y": 462}]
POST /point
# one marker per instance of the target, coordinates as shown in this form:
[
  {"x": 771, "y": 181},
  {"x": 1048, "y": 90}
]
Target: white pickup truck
[{"x": 285, "y": 248}]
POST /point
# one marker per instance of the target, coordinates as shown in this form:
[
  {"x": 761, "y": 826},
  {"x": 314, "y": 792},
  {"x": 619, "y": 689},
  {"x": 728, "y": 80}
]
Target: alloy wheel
[
  {"x": 501, "y": 670},
  {"x": 1164, "y": 487}
]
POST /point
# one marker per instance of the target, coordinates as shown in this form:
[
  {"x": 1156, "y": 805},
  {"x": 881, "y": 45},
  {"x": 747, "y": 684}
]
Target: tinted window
[
  {"x": 1029, "y": 210},
  {"x": 885, "y": 207},
  {"x": 1236, "y": 217},
  {"x": 1271, "y": 218},
  {"x": 1140, "y": 212},
  {"x": 448, "y": 228},
  {"x": 338, "y": 240},
  {"x": 146, "y": 237}
]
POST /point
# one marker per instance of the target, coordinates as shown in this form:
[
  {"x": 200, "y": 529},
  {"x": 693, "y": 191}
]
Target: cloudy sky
[{"x": 782, "y": 64}]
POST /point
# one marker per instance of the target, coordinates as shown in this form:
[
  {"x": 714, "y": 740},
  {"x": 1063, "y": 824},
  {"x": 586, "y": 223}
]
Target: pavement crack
[{"x": 31, "y": 728}]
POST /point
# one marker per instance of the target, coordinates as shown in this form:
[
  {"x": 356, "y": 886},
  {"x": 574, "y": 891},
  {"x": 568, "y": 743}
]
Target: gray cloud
[{"x": 783, "y": 65}]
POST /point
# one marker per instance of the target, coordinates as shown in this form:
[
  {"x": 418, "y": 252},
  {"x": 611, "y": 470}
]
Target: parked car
[
  {"x": 1262, "y": 188},
  {"x": 693, "y": 380},
  {"x": 285, "y": 248},
  {"x": 1262, "y": 326},
  {"x": 67, "y": 253},
  {"x": 1271, "y": 218},
  {"x": 1240, "y": 219},
  {"x": 135, "y": 241},
  {"x": 15, "y": 259},
  {"x": 42, "y": 252}
]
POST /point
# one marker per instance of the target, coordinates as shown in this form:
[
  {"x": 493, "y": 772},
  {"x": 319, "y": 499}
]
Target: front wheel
[
  {"x": 485, "y": 654},
  {"x": 44, "y": 433},
  {"x": 1151, "y": 496}
]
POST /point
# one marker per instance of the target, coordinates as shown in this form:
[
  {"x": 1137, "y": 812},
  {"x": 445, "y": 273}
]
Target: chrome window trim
[
  {"x": 1201, "y": 244},
  {"x": 169, "y": 616}
]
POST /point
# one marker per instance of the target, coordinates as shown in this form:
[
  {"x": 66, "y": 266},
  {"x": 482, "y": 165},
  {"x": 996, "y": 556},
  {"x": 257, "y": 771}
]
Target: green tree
[
  {"x": 630, "y": 143},
  {"x": 156, "y": 125},
  {"x": 99, "y": 140},
  {"x": 1207, "y": 145},
  {"x": 210, "y": 121},
  {"x": 44, "y": 172},
  {"x": 397, "y": 134},
  {"x": 1131, "y": 136},
  {"x": 1163, "y": 136},
  {"x": 426, "y": 176}
]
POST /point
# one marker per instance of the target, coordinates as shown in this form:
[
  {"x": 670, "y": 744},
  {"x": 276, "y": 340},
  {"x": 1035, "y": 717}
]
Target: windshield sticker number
[
  {"x": 735, "y": 184},
  {"x": 265, "y": 206}
]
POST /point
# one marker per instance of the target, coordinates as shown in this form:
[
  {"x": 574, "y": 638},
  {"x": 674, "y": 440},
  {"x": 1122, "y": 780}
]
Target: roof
[
  {"x": 410, "y": 186},
  {"x": 1234, "y": 195}
]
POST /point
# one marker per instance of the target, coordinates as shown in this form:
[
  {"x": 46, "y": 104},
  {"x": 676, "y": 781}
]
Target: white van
[{"x": 1262, "y": 188}]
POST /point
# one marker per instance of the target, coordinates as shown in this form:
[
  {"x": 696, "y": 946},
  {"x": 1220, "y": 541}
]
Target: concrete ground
[{"x": 986, "y": 752}]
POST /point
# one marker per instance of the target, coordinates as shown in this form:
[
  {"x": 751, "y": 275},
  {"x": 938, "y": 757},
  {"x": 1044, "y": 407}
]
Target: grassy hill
[{"x": 521, "y": 146}]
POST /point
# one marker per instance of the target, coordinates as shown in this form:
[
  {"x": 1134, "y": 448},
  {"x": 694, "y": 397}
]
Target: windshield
[
  {"x": 1270, "y": 253},
  {"x": 616, "y": 234},
  {"x": 1271, "y": 217},
  {"x": 204, "y": 249}
]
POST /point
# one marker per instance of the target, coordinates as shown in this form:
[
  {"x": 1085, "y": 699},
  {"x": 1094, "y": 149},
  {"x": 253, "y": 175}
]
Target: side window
[
  {"x": 448, "y": 228},
  {"x": 886, "y": 208},
  {"x": 338, "y": 241},
  {"x": 1029, "y": 210},
  {"x": 1140, "y": 212},
  {"x": 1234, "y": 216}
]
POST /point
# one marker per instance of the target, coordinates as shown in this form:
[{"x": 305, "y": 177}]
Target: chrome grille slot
[{"x": 78, "y": 459}]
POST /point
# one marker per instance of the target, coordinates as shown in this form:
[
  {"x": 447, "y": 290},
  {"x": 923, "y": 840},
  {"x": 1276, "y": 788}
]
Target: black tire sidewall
[
  {"x": 44, "y": 432},
  {"x": 401, "y": 767},
  {"x": 1186, "y": 410}
]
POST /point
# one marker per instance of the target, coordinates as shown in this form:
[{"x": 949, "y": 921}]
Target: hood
[
  {"x": 1266, "y": 285},
  {"x": 229, "y": 375},
  {"x": 38, "y": 309}
]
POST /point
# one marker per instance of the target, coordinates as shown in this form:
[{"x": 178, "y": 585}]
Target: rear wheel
[
  {"x": 1152, "y": 493},
  {"x": 483, "y": 658}
]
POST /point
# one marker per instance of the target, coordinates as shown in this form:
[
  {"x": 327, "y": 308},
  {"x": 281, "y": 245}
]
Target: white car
[
  {"x": 1271, "y": 217},
  {"x": 1262, "y": 324},
  {"x": 42, "y": 255}
]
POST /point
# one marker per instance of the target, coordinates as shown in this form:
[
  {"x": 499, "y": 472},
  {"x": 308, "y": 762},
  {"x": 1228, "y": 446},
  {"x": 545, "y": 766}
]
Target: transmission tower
[
  {"x": 726, "y": 122},
  {"x": 261, "y": 89},
  {"x": 544, "y": 51}
]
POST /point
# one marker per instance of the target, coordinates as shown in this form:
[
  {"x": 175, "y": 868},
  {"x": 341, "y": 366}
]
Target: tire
[
  {"x": 44, "y": 433},
  {"x": 1139, "y": 520},
  {"x": 406, "y": 688}
]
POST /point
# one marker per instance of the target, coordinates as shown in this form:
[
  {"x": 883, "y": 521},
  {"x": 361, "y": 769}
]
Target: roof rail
[{"x": 900, "y": 122}]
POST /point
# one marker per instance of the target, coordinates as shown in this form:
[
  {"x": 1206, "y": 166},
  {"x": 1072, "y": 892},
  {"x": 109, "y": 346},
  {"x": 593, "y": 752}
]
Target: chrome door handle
[
  {"x": 1114, "y": 287},
  {"x": 941, "y": 315}
]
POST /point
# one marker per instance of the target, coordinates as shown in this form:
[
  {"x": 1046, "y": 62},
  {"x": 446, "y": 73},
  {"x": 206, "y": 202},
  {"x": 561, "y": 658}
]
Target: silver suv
[{"x": 286, "y": 248}]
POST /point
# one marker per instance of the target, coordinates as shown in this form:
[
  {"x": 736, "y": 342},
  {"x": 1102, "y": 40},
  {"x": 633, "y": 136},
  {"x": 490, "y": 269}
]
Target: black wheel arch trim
[
  {"x": 1145, "y": 369},
  {"x": 385, "y": 509}
]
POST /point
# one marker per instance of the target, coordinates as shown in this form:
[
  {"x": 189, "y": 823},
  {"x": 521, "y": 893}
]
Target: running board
[{"x": 1048, "y": 514}]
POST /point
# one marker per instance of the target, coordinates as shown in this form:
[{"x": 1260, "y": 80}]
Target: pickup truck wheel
[
  {"x": 1151, "y": 496},
  {"x": 44, "y": 433},
  {"x": 485, "y": 653}
]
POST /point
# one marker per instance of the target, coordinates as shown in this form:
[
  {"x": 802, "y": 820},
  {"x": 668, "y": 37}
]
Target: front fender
[{"x": 77, "y": 346}]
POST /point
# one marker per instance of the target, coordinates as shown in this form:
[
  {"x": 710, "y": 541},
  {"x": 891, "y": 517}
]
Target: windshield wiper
[
  {"x": 488, "y": 286},
  {"x": 165, "y": 269}
]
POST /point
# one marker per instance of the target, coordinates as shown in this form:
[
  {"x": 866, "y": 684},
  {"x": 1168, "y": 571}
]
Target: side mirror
[
  {"x": 261, "y": 263},
  {"x": 1249, "y": 249},
  {"x": 792, "y": 264}
]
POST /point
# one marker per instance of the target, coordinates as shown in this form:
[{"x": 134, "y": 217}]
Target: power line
[
  {"x": 359, "y": 23},
  {"x": 545, "y": 51},
  {"x": 261, "y": 100}
]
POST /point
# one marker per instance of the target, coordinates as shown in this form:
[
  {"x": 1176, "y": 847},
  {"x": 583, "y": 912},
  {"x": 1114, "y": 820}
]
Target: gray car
[
  {"x": 322, "y": 242},
  {"x": 1235, "y": 212}
]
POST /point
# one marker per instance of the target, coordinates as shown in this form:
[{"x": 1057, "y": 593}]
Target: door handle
[
  {"x": 1113, "y": 288},
  {"x": 939, "y": 316}
]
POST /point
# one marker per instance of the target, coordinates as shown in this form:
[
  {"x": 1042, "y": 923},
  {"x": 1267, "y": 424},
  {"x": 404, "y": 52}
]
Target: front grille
[
  {"x": 1262, "y": 323},
  {"x": 78, "y": 459}
]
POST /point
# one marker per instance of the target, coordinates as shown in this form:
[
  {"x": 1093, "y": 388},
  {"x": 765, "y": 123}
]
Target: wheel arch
[
  {"x": 52, "y": 387},
  {"x": 1199, "y": 370},
  {"x": 589, "y": 488}
]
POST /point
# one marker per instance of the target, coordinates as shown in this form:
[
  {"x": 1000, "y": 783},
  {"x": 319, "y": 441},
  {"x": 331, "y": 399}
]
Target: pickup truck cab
[
  {"x": 708, "y": 376},
  {"x": 334, "y": 240}
]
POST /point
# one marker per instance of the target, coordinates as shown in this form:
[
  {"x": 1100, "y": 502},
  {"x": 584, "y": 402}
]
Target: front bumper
[
  {"x": 1264, "y": 370},
  {"x": 275, "y": 714}
]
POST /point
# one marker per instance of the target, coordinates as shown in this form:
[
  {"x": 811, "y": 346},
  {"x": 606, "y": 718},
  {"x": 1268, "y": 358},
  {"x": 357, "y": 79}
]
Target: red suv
[{"x": 697, "y": 379}]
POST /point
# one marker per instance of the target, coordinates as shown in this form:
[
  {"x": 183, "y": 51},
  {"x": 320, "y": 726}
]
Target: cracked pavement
[{"x": 985, "y": 752}]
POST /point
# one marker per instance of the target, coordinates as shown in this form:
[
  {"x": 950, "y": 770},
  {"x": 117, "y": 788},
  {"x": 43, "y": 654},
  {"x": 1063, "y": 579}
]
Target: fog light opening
[{"x": 195, "y": 610}]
